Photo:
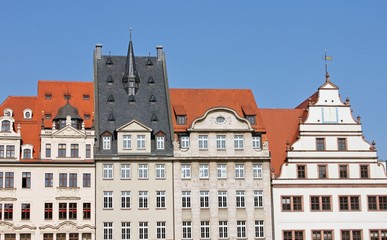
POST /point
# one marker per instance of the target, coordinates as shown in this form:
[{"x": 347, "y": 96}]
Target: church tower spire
[{"x": 130, "y": 79}]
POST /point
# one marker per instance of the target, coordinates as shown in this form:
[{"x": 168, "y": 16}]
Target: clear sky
[{"x": 273, "y": 47}]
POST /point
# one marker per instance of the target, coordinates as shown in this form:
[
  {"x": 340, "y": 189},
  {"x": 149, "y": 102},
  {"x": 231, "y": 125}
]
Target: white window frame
[
  {"x": 204, "y": 171},
  {"x": 160, "y": 230},
  {"x": 186, "y": 199},
  {"x": 143, "y": 199},
  {"x": 125, "y": 230},
  {"x": 108, "y": 231},
  {"x": 259, "y": 229},
  {"x": 187, "y": 230},
  {"x": 221, "y": 170},
  {"x": 238, "y": 141},
  {"x": 185, "y": 171},
  {"x": 240, "y": 199},
  {"x": 108, "y": 200},
  {"x": 204, "y": 199},
  {"x": 160, "y": 142},
  {"x": 106, "y": 142},
  {"x": 223, "y": 229},
  {"x": 184, "y": 142},
  {"x": 107, "y": 171},
  {"x": 143, "y": 231},
  {"x": 141, "y": 142},
  {"x": 257, "y": 142},
  {"x": 125, "y": 171},
  {"x": 126, "y": 198},
  {"x": 127, "y": 141},
  {"x": 160, "y": 199},
  {"x": 204, "y": 229},
  {"x": 160, "y": 171},
  {"x": 239, "y": 171},
  {"x": 241, "y": 229},
  {"x": 221, "y": 142},
  {"x": 203, "y": 142},
  {"x": 257, "y": 170},
  {"x": 143, "y": 172},
  {"x": 222, "y": 199},
  {"x": 258, "y": 198}
]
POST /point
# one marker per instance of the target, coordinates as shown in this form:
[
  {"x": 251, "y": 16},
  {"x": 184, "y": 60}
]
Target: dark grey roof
[{"x": 67, "y": 110}]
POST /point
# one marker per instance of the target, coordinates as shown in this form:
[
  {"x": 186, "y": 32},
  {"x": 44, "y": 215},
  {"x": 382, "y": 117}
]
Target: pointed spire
[{"x": 130, "y": 78}]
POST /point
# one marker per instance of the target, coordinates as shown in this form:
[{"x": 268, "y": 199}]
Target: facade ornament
[
  {"x": 266, "y": 145},
  {"x": 18, "y": 128},
  {"x": 68, "y": 120},
  {"x": 287, "y": 145},
  {"x": 358, "y": 119}
]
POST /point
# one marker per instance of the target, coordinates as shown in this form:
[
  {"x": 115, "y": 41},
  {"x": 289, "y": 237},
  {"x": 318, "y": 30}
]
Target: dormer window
[
  {"x": 106, "y": 142},
  {"x": 27, "y": 151},
  {"x": 47, "y": 116},
  {"x": 5, "y": 126},
  {"x": 67, "y": 96},
  {"x": 86, "y": 97},
  {"x": 27, "y": 113},
  {"x": 8, "y": 112},
  {"x": 181, "y": 119},
  {"x": 47, "y": 96},
  {"x": 251, "y": 119}
]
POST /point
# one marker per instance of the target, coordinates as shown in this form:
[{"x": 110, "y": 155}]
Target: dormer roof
[{"x": 68, "y": 110}]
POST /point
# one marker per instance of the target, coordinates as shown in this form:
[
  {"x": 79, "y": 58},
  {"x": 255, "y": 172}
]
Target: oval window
[{"x": 220, "y": 119}]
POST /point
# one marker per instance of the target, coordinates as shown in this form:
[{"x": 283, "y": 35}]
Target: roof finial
[
  {"x": 326, "y": 59},
  {"x": 130, "y": 30}
]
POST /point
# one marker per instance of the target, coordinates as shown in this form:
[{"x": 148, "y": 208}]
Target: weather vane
[{"x": 326, "y": 59}]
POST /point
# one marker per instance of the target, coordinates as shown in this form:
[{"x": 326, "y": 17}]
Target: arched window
[
  {"x": 27, "y": 154},
  {"x": 5, "y": 126},
  {"x": 27, "y": 113}
]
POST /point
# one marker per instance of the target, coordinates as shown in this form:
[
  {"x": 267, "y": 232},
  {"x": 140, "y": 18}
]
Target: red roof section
[{"x": 196, "y": 102}]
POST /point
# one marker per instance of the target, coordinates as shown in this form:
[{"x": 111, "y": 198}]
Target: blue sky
[{"x": 273, "y": 47}]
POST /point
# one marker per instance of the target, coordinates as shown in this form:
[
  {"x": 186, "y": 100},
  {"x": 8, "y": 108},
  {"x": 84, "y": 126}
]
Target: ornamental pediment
[
  {"x": 134, "y": 126},
  {"x": 68, "y": 131}
]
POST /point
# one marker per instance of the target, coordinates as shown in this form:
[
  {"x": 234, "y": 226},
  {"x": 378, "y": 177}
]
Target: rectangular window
[
  {"x": 257, "y": 170},
  {"x": 160, "y": 171},
  {"x": 343, "y": 171},
  {"x": 222, "y": 199},
  {"x": 239, "y": 170},
  {"x": 160, "y": 142},
  {"x": 181, "y": 119},
  {"x": 9, "y": 180},
  {"x": 1, "y": 151},
  {"x": 186, "y": 199},
  {"x": 61, "y": 150},
  {"x": 106, "y": 142},
  {"x": 48, "y": 150},
  {"x": 140, "y": 141},
  {"x": 10, "y": 151},
  {"x": 87, "y": 180},
  {"x": 73, "y": 180},
  {"x": 107, "y": 171},
  {"x": 127, "y": 141},
  {"x": 322, "y": 235},
  {"x": 88, "y": 150},
  {"x": 108, "y": 231},
  {"x": 251, "y": 119},
  {"x": 25, "y": 211},
  {"x": 293, "y": 235},
  {"x": 203, "y": 142},
  {"x": 8, "y": 211},
  {"x": 221, "y": 142},
  {"x": 143, "y": 230},
  {"x": 222, "y": 170},
  {"x": 378, "y": 203},
  {"x": 25, "y": 236},
  {"x": 291, "y": 203},
  {"x": 48, "y": 179},
  {"x": 125, "y": 230},
  {"x": 1, "y": 180},
  {"x": 143, "y": 171},
  {"x": 62, "y": 211},
  {"x": 258, "y": 198},
  {"x": 61, "y": 236},
  {"x": 62, "y": 179},
  {"x": 259, "y": 229},
  {"x": 364, "y": 170},
  {"x": 351, "y": 235},
  {"x": 241, "y": 229},
  {"x": 185, "y": 171},
  {"x": 86, "y": 211},
  {"x": 74, "y": 150},
  {"x": 320, "y": 203},
  {"x": 108, "y": 200},
  {"x": 26, "y": 180},
  {"x": 301, "y": 171},
  {"x": 73, "y": 236},
  {"x": 184, "y": 142},
  {"x": 240, "y": 199},
  {"x": 378, "y": 234},
  {"x": 142, "y": 199},
  {"x": 204, "y": 199},
  {"x": 125, "y": 199},
  {"x": 125, "y": 171},
  {"x": 73, "y": 211},
  {"x": 48, "y": 236},
  {"x": 238, "y": 141},
  {"x": 160, "y": 230},
  {"x": 187, "y": 231},
  {"x": 322, "y": 171},
  {"x": 203, "y": 171},
  {"x": 349, "y": 203},
  {"x": 256, "y": 142},
  {"x": 160, "y": 199},
  {"x": 320, "y": 144},
  {"x": 341, "y": 144},
  {"x": 223, "y": 229},
  {"x": 47, "y": 211},
  {"x": 204, "y": 230}
]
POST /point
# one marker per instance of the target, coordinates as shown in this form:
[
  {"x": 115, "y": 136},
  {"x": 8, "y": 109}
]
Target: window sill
[{"x": 143, "y": 208}]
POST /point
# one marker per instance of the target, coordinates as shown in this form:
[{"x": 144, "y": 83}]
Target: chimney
[
  {"x": 98, "y": 51},
  {"x": 159, "y": 53}
]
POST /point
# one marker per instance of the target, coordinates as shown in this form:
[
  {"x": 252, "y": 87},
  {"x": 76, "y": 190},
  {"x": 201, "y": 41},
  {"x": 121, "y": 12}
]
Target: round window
[{"x": 220, "y": 119}]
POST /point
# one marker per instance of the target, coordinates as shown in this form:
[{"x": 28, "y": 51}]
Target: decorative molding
[{"x": 68, "y": 224}]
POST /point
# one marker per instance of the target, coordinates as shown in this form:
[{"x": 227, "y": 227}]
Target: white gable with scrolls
[
  {"x": 134, "y": 138},
  {"x": 68, "y": 131}
]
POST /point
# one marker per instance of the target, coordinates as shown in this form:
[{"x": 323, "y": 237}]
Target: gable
[
  {"x": 134, "y": 126},
  {"x": 68, "y": 131}
]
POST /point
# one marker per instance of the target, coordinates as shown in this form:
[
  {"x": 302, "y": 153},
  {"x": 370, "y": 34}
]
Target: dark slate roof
[
  {"x": 149, "y": 104},
  {"x": 67, "y": 110}
]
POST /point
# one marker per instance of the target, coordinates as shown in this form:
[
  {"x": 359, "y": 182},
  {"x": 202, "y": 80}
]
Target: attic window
[
  {"x": 154, "y": 118},
  {"x": 152, "y": 99},
  {"x": 151, "y": 80},
  {"x": 27, "y": 113},
  {"x": 111, "y": 118},
  {"x": 110, "y": 98},
  {"x": 47, "y": 116},
  {"x": 132, "y": 98},
  {"x": 86, "y": 116},
  {"x": 149, "y": 62},
  {"x": 109, "y": 61},
  {"x": 48, "y": 96},
  {"x": 86, "y": 97},
  {"x": 181, "y": 119},
  {"x": 251, "y": 119},
  {"x": 8, "y": 112},
  {"x": 110, "y": 80},
  {"x": 67, "y": 96}
]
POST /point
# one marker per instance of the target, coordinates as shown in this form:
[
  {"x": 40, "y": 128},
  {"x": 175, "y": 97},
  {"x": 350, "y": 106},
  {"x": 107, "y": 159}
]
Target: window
[
  {"x": 293, "y": 235},
  {"x": 251, "y": 119},
  {"x": 142, "y": 199},
  {"x": 181, "y": 119},
  {"x": 61, "y": 150},
  {"x": 87, "y": 180},
  {"x": 240, "y": 199},
  {"x": 203, "y": 171},
  {"x": 127, "y": 141},
  {"x": 343, "y": 171},
  {"x": 86, "y": 97},
  {"x": 61, "y": 236},
  {"x": 25, "y": 211},
  {"x": 73, "y": 180},
  {"x": 143, "y": 230},
  {"x": 238, "y": 141},
  {"x": 203, "y": 142},
  {"x": 1, "y": 151},
  {"x": 160, "y": 230},
  {"x": 6, "y": 126},
  {"x": 184, "y": 142},
  {"x": 26, "y": 236},
  {"x": 88, "y": 150},
  {"x": 10, "y": 236},
  {"x": 86, "y": 211},
  {"x": 291, "y": 203},
  {"x": 140, "y": 141},
  {"x": 108, "y": 231},
  {"x": 160, "y": 199},
  {"x": 301, "y": 171},
  {"x": 186, "y": 199},
  {"x": 125, "y": 199},
  {"x": 222, "y": 199},
  {"x": 364, "y": 170},
  {"x": 27, "y": 154},
  {"x": 239, "y": 170},
  {"x": 258, "y": 198},
  {"x": 143, "y": 171},
  {"x": 62, "y": 179},
  {"x": 322, "y": 171},
  {"x": 73, "y": 236},
  {"x": 160, "y": 142},
  {"x": 220, "y": 142},
  {"x": 9, "y": 180},
  {"x": 322, "y": 235},
  {"x": 8, "y": 211},
  {"x": 125, "y": 171},
  {"x": 241, "y": 229},
  {"x": 256, "y": 142},
  {"x": 62, "y": 211},
  {"x": 108, "y": 200},
  {"x": 320, "y": 144},
  {"x": 107, "y": 171},
  {"x": 223, "y": 233},
  {"x": 204, "y": 230},
  {"x": 75, "y": 150},
  {"x": 351, "y": 235},
  {"x": 375, "y": 234},
  {"x": 86, "y": 236},
  {"x": 257, "y": 170},
  {"x": 204, "y": 199},
  {"x": 320, "y": 203},
  {"x": 222, "y": 170},
  {"x": 342, "y": 144},
  {"x": 349, "y": 203},
  {"x": 160, "y": 170},
  {"x": 125, "y": 230},
  {"x": 377, "y": 203},
  {"x": 187, "y": 231},
  {"x": 48, "y": 150},
  {"x": 72, "y": 210},
  {"x": 185, "y": 171},
  {"x": 47, "y": 116},
  {"x": 48, "y": 236},
  {"x": 10, "y": 151},
  {"x": 106, "y": 142},
  {"x": 259, "y": 229},
  {"x": 47, "y": 211},
  {"x": 26, "y": 180}
]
